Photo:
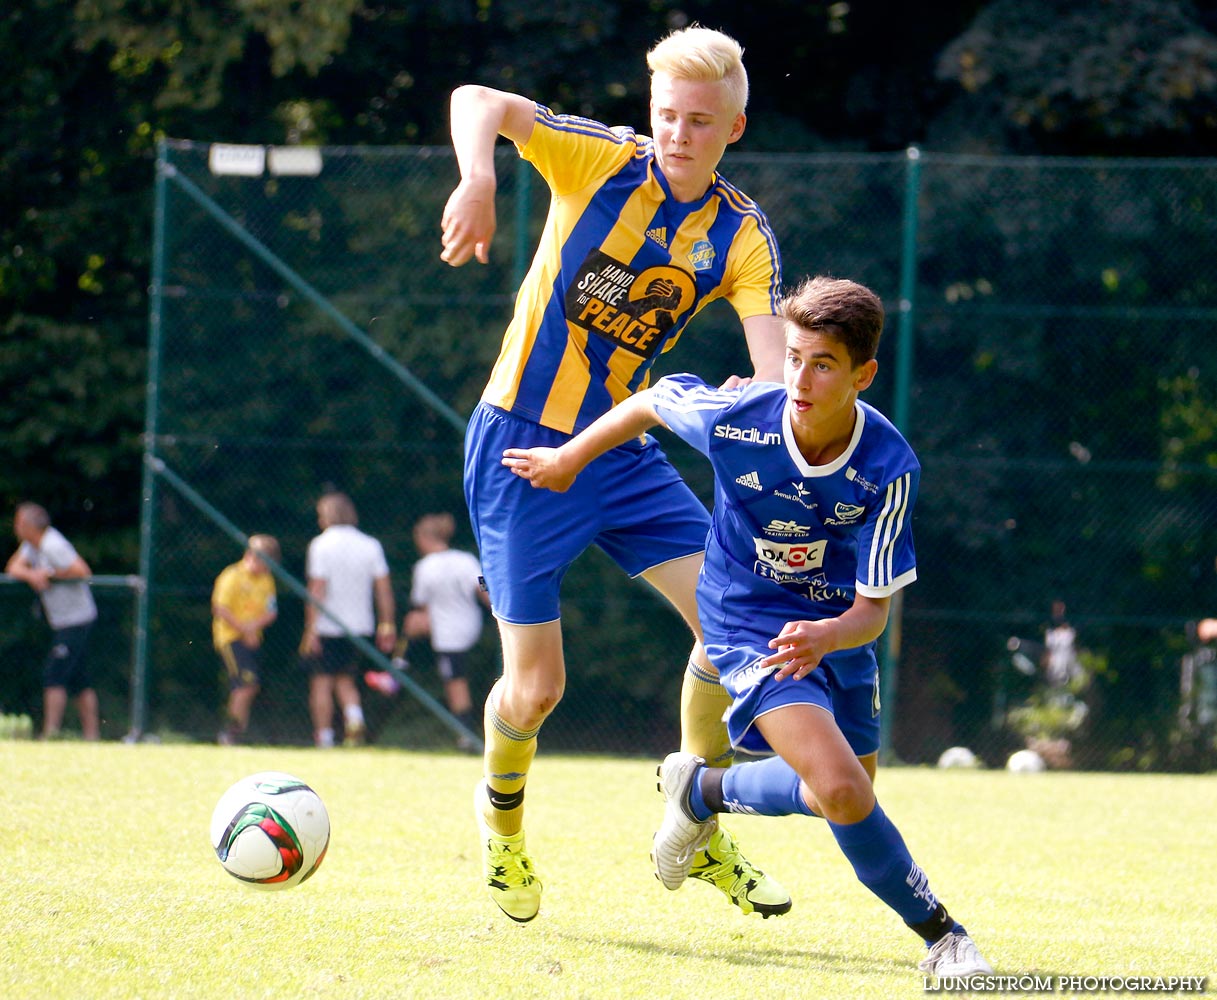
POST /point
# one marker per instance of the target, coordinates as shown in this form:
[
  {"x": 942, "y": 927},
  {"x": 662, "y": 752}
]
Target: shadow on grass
[{"x": 748, "y": 955}]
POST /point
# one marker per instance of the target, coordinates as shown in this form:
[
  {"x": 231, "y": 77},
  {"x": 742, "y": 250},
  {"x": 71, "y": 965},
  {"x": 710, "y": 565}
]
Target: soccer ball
[
  {"x": 1025, "y": 762},
  {"x": 270, "y": 830},
  {"x": 958, "y": 757}
]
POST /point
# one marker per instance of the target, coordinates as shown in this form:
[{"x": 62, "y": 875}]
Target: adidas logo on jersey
[
  {"x": 660, "y": 235},
  {"x": 751, "y": 480}
]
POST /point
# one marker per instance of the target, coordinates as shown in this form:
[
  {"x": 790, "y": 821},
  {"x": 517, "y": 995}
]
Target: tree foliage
[{"x": 1135, "y": 77}]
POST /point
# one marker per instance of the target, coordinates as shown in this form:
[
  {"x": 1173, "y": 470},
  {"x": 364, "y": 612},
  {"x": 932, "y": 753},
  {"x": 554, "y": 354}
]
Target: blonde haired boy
[{"x": 642, "y": 233}]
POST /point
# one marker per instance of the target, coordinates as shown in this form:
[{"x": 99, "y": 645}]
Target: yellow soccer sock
[
  {"x": 509, "y": 754},
  {"x": 703, "y": 703}
]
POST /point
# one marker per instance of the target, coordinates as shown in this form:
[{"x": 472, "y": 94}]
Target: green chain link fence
[{"x": 1049, "y": 353}]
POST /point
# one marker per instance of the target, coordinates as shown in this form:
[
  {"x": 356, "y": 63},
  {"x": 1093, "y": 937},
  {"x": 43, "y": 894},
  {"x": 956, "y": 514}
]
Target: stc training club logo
[{"x": 633, "y": 311}]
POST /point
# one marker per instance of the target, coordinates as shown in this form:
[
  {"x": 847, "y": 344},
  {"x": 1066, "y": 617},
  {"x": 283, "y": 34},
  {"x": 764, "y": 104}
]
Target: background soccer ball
[
  {"x": 1025, "y": 762},
  {"x": 958, "y": 757},
  {"x": 270, "y": 830}
]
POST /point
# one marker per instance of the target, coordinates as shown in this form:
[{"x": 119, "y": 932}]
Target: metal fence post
[
  {"x": 147, "y": 521},
  {"x": 889, "y": 666}
]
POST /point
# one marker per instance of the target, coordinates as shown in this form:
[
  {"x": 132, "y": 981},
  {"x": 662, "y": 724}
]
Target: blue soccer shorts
[
  {"x": 241, "y": 664},
  {"x": 630, "y": 502},
  {"x": 845, "y": 684}
]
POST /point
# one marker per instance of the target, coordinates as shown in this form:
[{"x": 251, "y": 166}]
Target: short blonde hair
[
  {"x": 264, "y": 545},
  {"x": 704, "y": 55}
]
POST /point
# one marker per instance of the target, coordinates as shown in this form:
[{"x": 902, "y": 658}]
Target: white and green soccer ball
[{"x": 270, "y": 830}]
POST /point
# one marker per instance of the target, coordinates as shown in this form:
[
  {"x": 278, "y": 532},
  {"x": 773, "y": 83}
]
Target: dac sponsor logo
[{"x": 790, "y": 557}]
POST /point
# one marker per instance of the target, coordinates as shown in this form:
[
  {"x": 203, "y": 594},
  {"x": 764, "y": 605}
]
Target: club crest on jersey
[
  {"x": 702, "y": 255},
  {"x": 632, "y": 310},
  {"x": 845, "y": 513}
]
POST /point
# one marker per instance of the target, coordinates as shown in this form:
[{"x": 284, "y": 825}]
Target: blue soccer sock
[
  {"x": 769, "y": 787},
  {"x": 883, "y": 864}
]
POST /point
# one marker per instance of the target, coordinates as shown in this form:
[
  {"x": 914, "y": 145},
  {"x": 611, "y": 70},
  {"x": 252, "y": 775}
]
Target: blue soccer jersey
[
  {"x": 621, "y": 268},
  {"x": 792, "y": 541}
]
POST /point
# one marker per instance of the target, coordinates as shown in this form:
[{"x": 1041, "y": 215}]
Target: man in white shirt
[
  {"x": 47, "y": 561},
  {"x": 349, "y": 576},
  {"x": 447, "y": 597}
]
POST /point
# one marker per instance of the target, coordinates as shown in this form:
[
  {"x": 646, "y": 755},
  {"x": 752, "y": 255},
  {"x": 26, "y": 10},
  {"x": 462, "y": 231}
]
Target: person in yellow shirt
[{"x": 242, "y": 605}]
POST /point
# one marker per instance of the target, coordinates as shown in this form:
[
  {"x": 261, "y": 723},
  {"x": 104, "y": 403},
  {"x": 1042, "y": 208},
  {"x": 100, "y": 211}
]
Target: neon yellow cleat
[
  {"x": 511, "y": 878},
  {"x": 722, "y": 865}
]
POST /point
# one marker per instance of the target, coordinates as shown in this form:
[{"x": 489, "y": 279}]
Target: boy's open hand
[
  {"x": 800, "y": 647},
  {"x": 543, "y": 467}
]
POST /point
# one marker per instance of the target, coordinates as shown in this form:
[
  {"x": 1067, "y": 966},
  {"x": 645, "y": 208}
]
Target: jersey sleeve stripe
[
  {"x": 577, "y": 125},
  {"x": 703, "y": 397},
  {"x": 744, "y": 205},
  {"x": 887, "y": 530}
]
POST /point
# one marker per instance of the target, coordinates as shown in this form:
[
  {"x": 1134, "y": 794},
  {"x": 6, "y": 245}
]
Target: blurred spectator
[
  {"x": 1052, "y": 717},
  {"x": 447, "y": 598},
  {"x": 56, "y": 572},
  {"x": 1206, "y": 628},
  {"x": 348, "y": 574},
  {"x": 242, "y": 605},
  {"x": 1062, "y": 666}
]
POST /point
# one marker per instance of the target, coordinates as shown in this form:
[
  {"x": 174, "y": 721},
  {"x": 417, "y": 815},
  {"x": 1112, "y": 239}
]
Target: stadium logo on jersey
[
  {"x": 748, "y": 435},
  {"x": 702, "y": 255},
  {"x": 801, "y": 496},
  {"x": 790, "y": 557},
  {"x": 634, "y": 311},
  {"x": 852, "y": 475},
  {"x": 659, "y": 235},
  {"x": 750, "y": 479},
  {"x": 845, "y": 513},
  {"x": 779, "y": 528}
]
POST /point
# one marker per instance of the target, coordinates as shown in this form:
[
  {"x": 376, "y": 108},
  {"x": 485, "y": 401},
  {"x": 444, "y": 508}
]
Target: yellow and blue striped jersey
[{"x": 621, "y": 268}]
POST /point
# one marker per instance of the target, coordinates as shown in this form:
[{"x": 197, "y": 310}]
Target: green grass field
[{"x": 110, "y": 887}]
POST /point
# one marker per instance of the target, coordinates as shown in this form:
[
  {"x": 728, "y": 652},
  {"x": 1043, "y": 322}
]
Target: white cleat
[
  {"x": 955, "y": 955},
  {"x": 680, "y": 836}
]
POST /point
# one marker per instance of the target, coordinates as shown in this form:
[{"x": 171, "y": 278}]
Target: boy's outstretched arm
[
  {"x": 479, "y": 115},
  {"x": 556, "y": 468}
]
